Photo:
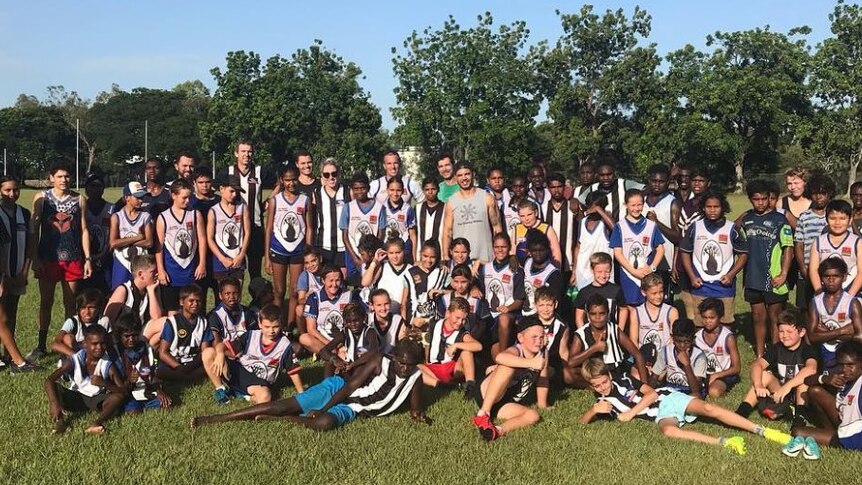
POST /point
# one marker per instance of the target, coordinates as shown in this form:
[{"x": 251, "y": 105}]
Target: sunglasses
[{"x": 328, "y": 175}]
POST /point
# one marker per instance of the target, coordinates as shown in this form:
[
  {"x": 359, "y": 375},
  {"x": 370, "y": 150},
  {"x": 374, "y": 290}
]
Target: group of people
[{"x": 513, "y": 290}]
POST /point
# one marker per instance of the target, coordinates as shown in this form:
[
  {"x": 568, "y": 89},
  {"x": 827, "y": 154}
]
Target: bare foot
[
  {"x": 59, "y": 427},
  {"x": 95, "y": 429}
]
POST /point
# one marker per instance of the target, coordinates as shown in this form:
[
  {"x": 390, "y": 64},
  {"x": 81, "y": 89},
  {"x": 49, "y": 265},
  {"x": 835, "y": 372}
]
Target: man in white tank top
[
  {"x": 663, "y": 208},
  {"x": 470, "y": 213}
]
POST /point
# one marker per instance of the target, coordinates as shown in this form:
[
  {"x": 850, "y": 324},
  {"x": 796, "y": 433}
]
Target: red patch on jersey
[
  {"x": 237, "y": 217},
  {"x": 417, "y": 278},
  {"x": 372, "y": 219},
  {"x": 400, "y": 217},
  {"x": 341, "y": 306},
  {"x": 537, "y": 282},
  {"x": 300, "y": 210},
  {"x": 850, "y": 399},
  {"x": 845, "y": 251},
  {"x": 273, "y": 362},
  {"x": 719, "y": 350},
  {"x": 842, "y": 316},
  {"x": 660, "y": 326},
  {"x": 189, "y": 225},
  {"x": 507, "y": 278},
  {"x": 722, "y": 239},
  {"x": 646, "y": 240}
]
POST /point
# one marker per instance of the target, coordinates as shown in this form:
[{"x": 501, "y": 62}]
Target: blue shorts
[
  {"x": 316, "y": 396},
  {"x": 852, "y": 442},
  {"x": 673, "y": 406},
  {"x": 135, "y": 406},
  {"x": 730, "y": 381}
]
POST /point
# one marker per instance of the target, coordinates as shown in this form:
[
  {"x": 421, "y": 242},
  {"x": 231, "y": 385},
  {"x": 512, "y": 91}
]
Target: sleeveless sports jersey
[
  {"x": 377, "y": 189},
  {"x": 553, "y": 337},
  {"x": 60, "y": 231},
  {"x": 99, "y": 226},
  {"x": 188, "y": 337},
  {"x": 250, "y": 182},
  {"x": 839, "y": 317},
  {"x": 712, "y": 252},
  {"x": 520, "y": 239},
  {"x": 384, "y": 393},
  {"x": 327, "y": 213},
  {"x": 637, "y": 247},
  {"x": 419, "y": 283},
  {"x": 80, "y": 379},
  {"x": 850, "y": 410},
  {"x": 522, "y": 381},
  {"x": 288, "y": 229},
  {"x": 17, "y": 225},
  {"x": 470, "y": 220},
  {"x": 181, "y": 245},
  {"x": 476, "y": 316},
  {"x": 717, "y": 354},
  {"x": 121, "y": 271},
  {"x": 398, "y": 221},
  {"x": 429, "y": 225},
  {"x": 262, "y": 363},
  {"x": 534, "y": 280},
  {"x": 231, "y": 327},
  {"x": 499, "y": 285},
  {"x": 395, "y": 282},
  {"x": 439, "y": 341},
  {"x": 142, "y": 359},
  {"x": 845, "y": 250},
  {"x": 137, "y": 302},
  {"x": 511, "y": 217},
  {"x": 75, "y": 327},
  {"x": 564, "y": 224},
  {"x": 662, "y": 211},
  {"x": 327, "y": 312},
  {"x": 614, "y": 354},
  {"x": 653, "y": 331},
  {"x": 591, "y": 242},
  {"x": 361, "y": 223},
  {"x": 357, "y": 345},
  {"x": 625, "y": 395},
  {"x": 228, "y": 233},
  {"x": 674, "y": 374},
  {"x": 313, "y": 282},
  {"x": 389, "y": 335}
]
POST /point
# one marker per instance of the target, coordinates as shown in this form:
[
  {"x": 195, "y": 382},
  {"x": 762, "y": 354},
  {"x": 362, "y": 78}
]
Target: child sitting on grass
[
  {"x": 89, "y": 304},
  {"x": 625, "y": 400},
  {"x": 680, "y": 365},
  {"x": 718, "y": 343},
  {"x": 350, "y": 344},
  {"x": 136, "y": 362},
  {"x": 452, "y": 349},
  {"x": 95, "y": 384}
]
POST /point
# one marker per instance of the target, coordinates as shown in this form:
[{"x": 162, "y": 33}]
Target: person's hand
[
  {"x": 88, "y": 269},
  {"x": 573, "y": 280},
  {"x": 267, "y": 265},
  {"x": 36, "y": 265},
  {"x": 643, "y": 272},
  {"x": 164, "y": 399},
  {"x": 56, "y": 412},
  {"x": 590, "y": 210},
  {"x": 726, "y": 280},
  {"x": 710, "y": 379},
  {"x": 599, "y": 347},
  {"x": 761, "y": 391},
  {"x": 674, "y": 275},
  {"x": 602, "y": 407},
  {"x": 379, "y": 256},
  {"x": 684, "y": 359},
  {"x": 314, "y": 413},
  {"x": 237, "y": 262},
  {"x": 779, "y": 280},
  {"x": 626, "y": 416},
  {"x": 201, "y": 271},
  {"x": 651, "y": 216},
  {"x": 503, "y": 309},
  {"x": 218, "y": 366},
  {"x": 153, "y": 287},
  {"x": 225, "y": 261},
  {"x": 780, "y": 394},
  {"x": 420, "y": 417},
  {"x": 835, "y": 380},
  {"x": 451, "y": 349},
  {"x": 164, "y": 278},
  {"x": 537, "y": 362}
]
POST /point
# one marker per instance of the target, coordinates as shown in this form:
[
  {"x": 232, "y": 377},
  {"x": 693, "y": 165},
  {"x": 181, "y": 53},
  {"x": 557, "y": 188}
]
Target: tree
[
  {"x": 597, "y": 79},
  {"x": 837, "y": 84},
  {"x": 312, "y": 101},
  {"x": 470, "y": 92},
  {"x": 34, "y": 136},
  {"x": 76, "y": 113}
]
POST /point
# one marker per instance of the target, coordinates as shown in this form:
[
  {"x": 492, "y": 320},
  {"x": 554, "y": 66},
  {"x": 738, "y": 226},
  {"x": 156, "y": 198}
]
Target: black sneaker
[{"x": 24, "y": 368}]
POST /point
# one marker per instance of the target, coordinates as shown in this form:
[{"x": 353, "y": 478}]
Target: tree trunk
[
  {"x": 91, "y": 156},
  {"x": 851, "y": 173},
  {"x": 739, "y": 165}
]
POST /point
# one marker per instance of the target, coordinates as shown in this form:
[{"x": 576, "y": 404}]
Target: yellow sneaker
[
  {"x": 735, "y": 444},
  {"x": 779, "y": 437}
]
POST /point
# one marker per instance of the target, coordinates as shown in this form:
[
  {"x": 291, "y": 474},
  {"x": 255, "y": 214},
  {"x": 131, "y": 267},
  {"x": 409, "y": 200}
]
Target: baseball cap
[
  {"x": 226, "y": 180},
  {"x": 135, "y": 189},
  {"x": 527, "y": 322}
]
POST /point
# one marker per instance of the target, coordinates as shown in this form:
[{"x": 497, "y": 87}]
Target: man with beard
[
  {"x": 471, "y": 213},
  {"x": 448, "y": 185}
]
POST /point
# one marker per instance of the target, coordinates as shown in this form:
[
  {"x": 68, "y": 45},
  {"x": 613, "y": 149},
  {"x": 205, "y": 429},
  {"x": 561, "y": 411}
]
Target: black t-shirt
[
  {"x": 155, "y": 205},
  {"x": 784, "y": 363},
  {"x": 610, "y": 291},
  {"x": 308, "y": 189}
]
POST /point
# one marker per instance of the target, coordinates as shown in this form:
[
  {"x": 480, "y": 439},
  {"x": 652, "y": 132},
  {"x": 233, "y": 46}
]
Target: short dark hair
[
  {"x": 462, "y": 270},
  {"x": 229, "y": 281},
  {"x": 187, "y": 154},
  {"x": 202, "y": 171},
  {"x": 832, "y": 263},
  {"x": 757, "y": 187},
  {"x": 301, "y": 153},
  {"x": 850, "y": 348},
  {"x": 378, "y": 292},
  {"x": 89, "y": 296},
  {"x": 189, "y": 290},
  {"x": 556, "y": 177},
  {"x": 360, "y": 178},
  {"x": 791, "y": 317},
  {"x": 597, "y": 301},
  {"x": 715, "y": 194},
  {"x": 59, "y": 165},
  {"x": 683, "y": 327},
  {"x": 270, "y": 313},
  {"x": 713, "y": 304},
  {"x": 839, "y": 205},
  {"x": 820, "y": 184},
  {"x": 658, "y": 169},
  {"x": 535, "y": 237}
]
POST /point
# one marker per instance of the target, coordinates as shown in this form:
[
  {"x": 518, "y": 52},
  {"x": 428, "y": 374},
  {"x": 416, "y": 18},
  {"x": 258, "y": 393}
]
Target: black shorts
[
  {"x": 241, "y": 379},
  {"x": 332, "y": 258},
  {"x": 285, "y": 260},
  {"x": 76, "y": 402},
  {"x": 767, "y": 297},
  {"x": 506, "y": 399},
  {"x": 804, "y": 293}
]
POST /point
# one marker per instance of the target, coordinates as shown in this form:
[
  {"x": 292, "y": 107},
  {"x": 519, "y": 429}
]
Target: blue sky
[{"x": 87, "y": 45}]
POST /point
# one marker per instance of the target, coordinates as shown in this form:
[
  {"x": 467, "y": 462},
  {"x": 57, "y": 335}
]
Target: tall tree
[
  {"x": 34, "y": 136},
  {"x": 472, "y": 92},
  {"x": 76, "y": 113},
  {"x": 837, "y": 83}
]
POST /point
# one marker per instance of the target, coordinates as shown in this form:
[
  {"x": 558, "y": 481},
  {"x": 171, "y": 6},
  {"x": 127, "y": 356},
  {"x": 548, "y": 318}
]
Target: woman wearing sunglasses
[{"x": 329, "y": 201}]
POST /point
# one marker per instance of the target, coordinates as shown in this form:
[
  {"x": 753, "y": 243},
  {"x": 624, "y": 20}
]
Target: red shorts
[
  {"x": 62, "y": 270},
  {"x": 444, "y": 372}
]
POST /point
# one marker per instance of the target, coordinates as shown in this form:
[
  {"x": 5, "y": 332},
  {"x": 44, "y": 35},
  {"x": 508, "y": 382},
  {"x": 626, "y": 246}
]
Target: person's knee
[
  {"x": 710, "y": 409},
  {"x": 531, "y": 416},
  {"x": 325, "y": 422},
  {"x": 715, "y": 391},
  {"x": 305, "y": 339},
  {"x": 669, "y": 431},
  {"x": 260, "y": 395}
]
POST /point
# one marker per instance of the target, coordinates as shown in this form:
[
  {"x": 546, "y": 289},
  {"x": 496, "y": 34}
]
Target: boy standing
[
  {"x": 131, "y": 233},
  {"x": 809, "y": 227}
]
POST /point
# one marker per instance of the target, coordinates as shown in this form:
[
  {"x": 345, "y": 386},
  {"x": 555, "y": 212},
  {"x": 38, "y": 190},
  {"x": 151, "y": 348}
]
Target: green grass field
[{"x": 159, "y": 447}]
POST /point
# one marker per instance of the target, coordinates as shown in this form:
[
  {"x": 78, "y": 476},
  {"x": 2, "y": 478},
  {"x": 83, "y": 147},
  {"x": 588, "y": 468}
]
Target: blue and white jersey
[
  {"x": 99, "y": 227},
  {"x": 651, "y": 330},
  {"x": 850, "y": 410},
  {"x": 75, "y": 327},
  {"x": 80, "y": 380},
  {"x": 288, "y": 227},
  {"x": 717, "y": 353},
  {"x": 231, "y": 324},
  {"x": 265, "y": 362},
  {"x": 327, "y": 312},
  {"x": 180, "y": 246},
  {"x": 399, "y": 220},
  {"x": 847, "y": 250},
  {"x": 638, "y": 241},
  {"x": 838, "y": 317},
  {"x": 121, "y": 270},
  {"x": 142, "y": 359},
  {"x": 185, "y": 338},
  {"x": 228, "y": 234},
  {"x": 308, "y": 282}
]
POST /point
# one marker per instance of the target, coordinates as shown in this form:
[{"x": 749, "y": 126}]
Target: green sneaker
[
  {"x": 779, "y": 437},
  {"x": 735, "y": 444},
  {"x": 795, "y": 446},
  {"x": 810, "y": 450}
]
